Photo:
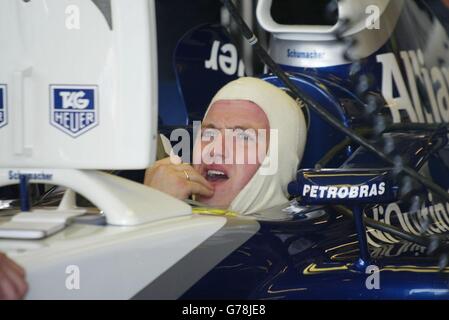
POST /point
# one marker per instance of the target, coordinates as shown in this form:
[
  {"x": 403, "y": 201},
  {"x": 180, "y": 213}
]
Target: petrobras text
[
  {"x": 74, "y": 109},
  {"x": 3, "y": 110},
  {"x": 402, "y": 95},
  {"x": 15, "y": 175},
  {"x": 343, "y": 192}
]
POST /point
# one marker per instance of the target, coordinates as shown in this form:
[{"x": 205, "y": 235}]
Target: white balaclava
[{"x": 264, "y": 190}]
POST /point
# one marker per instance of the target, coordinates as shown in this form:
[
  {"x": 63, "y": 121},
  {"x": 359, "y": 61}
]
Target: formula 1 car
[{"x": 360, "y": 225}]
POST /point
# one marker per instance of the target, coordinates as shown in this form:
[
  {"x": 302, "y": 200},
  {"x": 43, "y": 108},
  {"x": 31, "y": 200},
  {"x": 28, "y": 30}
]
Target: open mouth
[{"x": 216, "y": 175}]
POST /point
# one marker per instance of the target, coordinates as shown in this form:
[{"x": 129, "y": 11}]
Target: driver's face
[{"x": 227, "y": 173}]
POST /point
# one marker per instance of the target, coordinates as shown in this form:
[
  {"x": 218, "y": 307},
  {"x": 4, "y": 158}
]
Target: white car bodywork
[{"x": 107, "y": 262}]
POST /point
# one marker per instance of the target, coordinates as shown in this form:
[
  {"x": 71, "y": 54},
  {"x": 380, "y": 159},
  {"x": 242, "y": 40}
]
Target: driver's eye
[
  {"x": 245, "y": 135},
  {"x": 209, "y": 133}
]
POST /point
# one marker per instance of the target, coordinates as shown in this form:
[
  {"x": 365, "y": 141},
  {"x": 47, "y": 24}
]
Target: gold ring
[{"x": 187, "y": 175}]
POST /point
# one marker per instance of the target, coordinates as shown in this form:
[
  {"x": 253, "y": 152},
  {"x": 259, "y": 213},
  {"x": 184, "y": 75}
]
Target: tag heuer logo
[{"x": 74, "y": 109}]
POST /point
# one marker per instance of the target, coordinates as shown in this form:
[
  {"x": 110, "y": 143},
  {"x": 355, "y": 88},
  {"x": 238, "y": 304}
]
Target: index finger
[
  {"x": 194, "y": 175},
  {"x": 199, "y": 189}
]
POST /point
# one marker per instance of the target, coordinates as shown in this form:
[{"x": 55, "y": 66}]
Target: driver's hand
[
  {"x": 170, "y": 178},
  {"x": 12, "y": 279}
]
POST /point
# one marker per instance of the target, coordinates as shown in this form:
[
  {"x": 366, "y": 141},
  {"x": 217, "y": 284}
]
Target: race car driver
[{"x": 246, "y": 103}]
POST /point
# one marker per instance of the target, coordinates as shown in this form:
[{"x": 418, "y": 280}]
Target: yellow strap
[{"x": 214, "y": 211}]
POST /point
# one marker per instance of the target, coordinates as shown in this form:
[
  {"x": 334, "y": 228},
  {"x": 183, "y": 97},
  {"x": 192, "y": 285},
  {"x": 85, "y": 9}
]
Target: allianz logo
[{"x": 402, "y": 94}]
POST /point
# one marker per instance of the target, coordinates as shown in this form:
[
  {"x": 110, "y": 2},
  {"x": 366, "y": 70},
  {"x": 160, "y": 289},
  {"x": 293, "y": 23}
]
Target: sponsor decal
[
  {"x": 398, "y": 249},
  {"x": 343, "y": 192},
  {"x": 3, "y": 106},
  {"x": 432, "y": 218},
  {"x": 292, "y": 53},
  {"x": 406, "y": 96},
  {"x": 74, "y": 109},
  {"x": 224, "y": 58},
  {"x": 15, "y": 175}
]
